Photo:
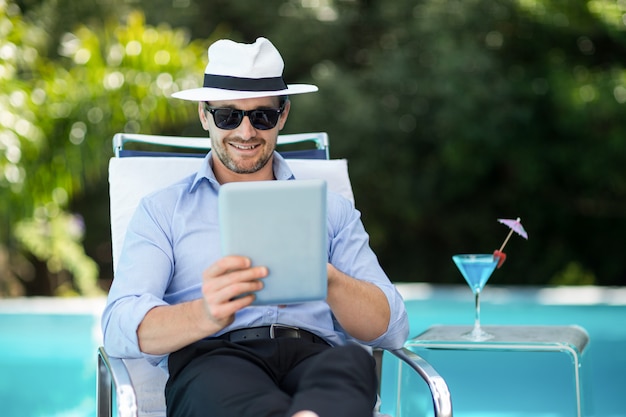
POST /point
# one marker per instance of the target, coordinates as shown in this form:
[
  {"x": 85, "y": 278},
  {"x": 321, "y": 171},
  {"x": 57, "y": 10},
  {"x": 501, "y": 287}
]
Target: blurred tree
[
  {"x": 490, "y": 109},
  {"x": 57, "y": 120}
]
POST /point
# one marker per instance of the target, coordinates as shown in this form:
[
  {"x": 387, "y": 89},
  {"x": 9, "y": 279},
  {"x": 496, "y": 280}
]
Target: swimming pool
[
  {"x": 47, "y": 357},
  {"x": 47, "y": 346}
]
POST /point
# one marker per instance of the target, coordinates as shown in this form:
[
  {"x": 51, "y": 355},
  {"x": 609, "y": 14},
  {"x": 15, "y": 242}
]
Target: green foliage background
[{"x": 451, "y": 113}]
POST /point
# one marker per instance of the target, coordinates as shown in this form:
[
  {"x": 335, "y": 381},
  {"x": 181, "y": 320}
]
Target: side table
[{"x": 571, "y": 340}]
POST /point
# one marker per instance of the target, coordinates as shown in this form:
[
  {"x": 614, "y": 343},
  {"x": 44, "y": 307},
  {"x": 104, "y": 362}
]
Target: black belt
[{"x": 275, "y": 331}]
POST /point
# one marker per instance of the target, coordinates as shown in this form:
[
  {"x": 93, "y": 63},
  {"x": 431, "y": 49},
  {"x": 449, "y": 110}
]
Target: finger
[
  {"x": 233, "y": 291},
  {"x": 230, "y": 264},
  {"x": 231, "y": 269},
  {"x": 234, "y": 284},
  {"x": 226, "y": 264},
  {"x": 238, "y": 278}
]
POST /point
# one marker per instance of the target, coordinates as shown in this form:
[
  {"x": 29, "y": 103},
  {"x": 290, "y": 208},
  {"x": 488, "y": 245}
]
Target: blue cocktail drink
[{"x": 476, "y": 269}]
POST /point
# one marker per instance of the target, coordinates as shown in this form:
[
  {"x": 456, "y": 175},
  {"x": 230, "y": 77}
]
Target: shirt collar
[{"x": 280, "y": 167}]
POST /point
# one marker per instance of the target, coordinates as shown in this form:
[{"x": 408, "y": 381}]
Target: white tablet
[{"x": 280, "y": 225}]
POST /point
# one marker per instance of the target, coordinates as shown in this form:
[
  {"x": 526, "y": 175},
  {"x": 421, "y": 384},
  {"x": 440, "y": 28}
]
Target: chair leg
[
  {"x": 378, "y": 357},
  {"x": 104, "y": 392}
]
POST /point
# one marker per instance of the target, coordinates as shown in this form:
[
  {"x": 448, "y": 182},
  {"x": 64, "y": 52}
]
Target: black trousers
[{"x": 270, "y": 378}]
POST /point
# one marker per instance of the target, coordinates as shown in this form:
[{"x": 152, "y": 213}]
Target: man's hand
[
  {"x": 227, "y": 287},
  {"x": 167, "y": 328}
]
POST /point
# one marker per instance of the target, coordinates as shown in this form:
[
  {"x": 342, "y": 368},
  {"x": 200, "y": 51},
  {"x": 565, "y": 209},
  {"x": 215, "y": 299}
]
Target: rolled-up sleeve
[{"x": 350, "y": 252}]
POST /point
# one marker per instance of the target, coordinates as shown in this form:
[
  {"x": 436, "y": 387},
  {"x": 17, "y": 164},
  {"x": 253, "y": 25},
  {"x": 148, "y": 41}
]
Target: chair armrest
[
  {"x": 442, "y": 401},
  {"x": 113, "y": 378}
]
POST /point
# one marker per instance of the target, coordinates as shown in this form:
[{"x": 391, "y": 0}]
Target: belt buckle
[{"x": 282, "y": 326}]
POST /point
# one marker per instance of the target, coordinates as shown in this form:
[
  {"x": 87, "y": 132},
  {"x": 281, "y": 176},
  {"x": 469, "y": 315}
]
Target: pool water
[
  {"x": 48, "y": 351},
  {"x": 48, "y": 357}
]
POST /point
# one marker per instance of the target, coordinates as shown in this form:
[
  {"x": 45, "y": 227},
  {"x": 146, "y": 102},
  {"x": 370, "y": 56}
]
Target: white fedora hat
[{"x": 238, "y": 70}]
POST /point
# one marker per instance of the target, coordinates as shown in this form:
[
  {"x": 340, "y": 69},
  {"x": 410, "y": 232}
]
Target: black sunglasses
[{"x": 229, "y": 119}]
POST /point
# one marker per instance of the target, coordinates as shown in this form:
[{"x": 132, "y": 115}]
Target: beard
[{"x": 242, "y": 165}]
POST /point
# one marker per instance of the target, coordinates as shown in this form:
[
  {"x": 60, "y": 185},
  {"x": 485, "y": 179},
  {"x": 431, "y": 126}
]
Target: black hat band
[{"x": 225, "y": 82}]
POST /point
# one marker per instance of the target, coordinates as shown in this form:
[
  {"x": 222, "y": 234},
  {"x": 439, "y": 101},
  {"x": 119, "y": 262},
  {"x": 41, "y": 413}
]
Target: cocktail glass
[{"x": 476, "y": 269}]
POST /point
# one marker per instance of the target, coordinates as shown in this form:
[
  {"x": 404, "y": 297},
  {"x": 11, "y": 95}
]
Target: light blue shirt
[{"x": 174, "y": 236}]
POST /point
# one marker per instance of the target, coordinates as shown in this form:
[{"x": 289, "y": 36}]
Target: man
[{"x": 177, "y": 303}]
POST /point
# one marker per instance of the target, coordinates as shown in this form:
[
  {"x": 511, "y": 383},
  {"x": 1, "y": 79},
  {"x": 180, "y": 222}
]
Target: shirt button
[{"x": 270, "y": 312}]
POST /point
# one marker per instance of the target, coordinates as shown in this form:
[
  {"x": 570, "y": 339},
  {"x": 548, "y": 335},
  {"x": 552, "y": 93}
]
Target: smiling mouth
[{"x": 243, "y": 147}]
